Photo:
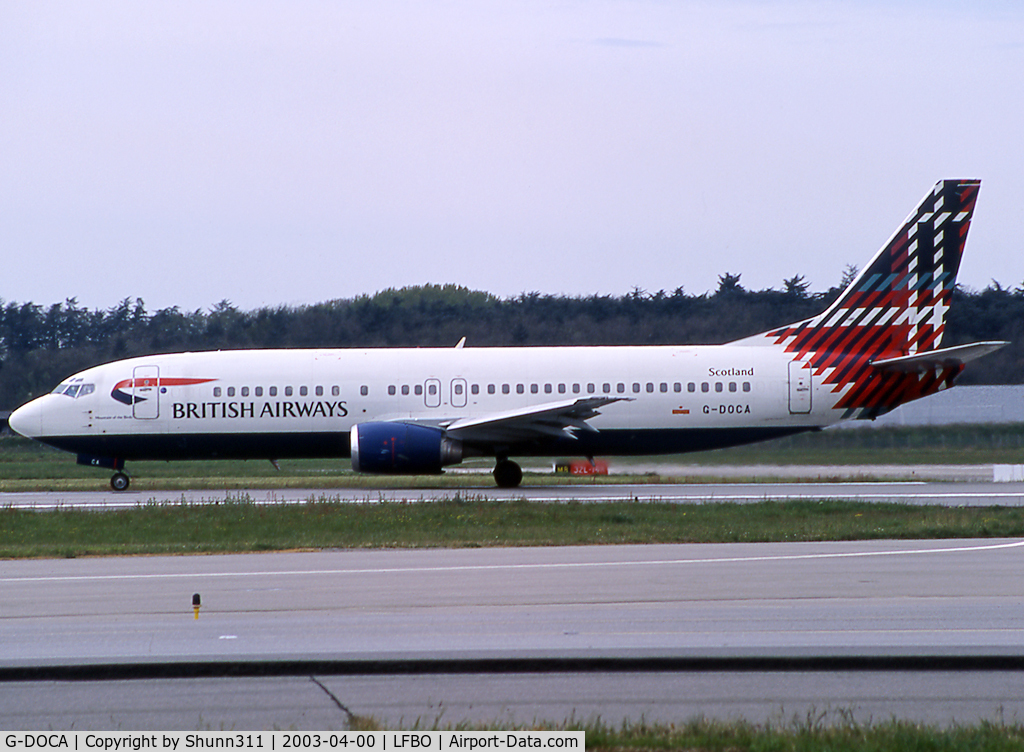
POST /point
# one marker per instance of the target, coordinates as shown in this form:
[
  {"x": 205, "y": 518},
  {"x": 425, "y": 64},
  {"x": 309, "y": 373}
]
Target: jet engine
[{"x": 402, "y": 448}]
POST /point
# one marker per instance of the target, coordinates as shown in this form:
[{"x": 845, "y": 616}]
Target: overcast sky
[{"x": 293, "y": 152}]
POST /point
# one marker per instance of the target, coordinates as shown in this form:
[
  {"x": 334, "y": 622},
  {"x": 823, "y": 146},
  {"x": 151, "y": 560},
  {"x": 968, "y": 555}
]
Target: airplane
[{"x": 418, "y": 410}]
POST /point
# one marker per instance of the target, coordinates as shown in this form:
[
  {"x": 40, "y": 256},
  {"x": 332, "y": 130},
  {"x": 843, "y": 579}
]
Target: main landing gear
[
  {"x": 120, "y": 481},
  {"x": 507, "y": 474}
]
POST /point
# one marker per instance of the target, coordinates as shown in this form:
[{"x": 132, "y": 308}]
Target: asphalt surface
[
  {"x": 870, "y": 601},
  {"x": 974, "y": 493}
]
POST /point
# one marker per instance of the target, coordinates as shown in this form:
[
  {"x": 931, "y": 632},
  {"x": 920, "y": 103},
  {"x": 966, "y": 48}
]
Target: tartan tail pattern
[{"x": 896, "y": 306}]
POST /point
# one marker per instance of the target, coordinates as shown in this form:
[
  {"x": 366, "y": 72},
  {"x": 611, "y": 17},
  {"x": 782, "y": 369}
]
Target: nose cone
[{"x": 28, "y": 419}]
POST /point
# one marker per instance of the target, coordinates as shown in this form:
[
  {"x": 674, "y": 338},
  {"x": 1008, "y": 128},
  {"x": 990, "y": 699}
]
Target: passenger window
[
  {"x": 520, "y": 389},
  {"x": 705, "y": 387},
  {"x": 335, "y": 391},
  {"x": 405, "y": 389},
  {"x": 663, "y": 387},
  {"x": 636, "y": 388},
  {"x": 718, "y": 386},
  {"x": 575, "y": 388},
  {"x": 561, "y": 388},
  {"x": 216, "y": 391},
  {"x": 533, "y": 388},
  {"x": 273, "y": 391},
  {"x": 691, "y": 387},
  {"x": 288, "y": 391},
  {"x": 418, "y": 389},
  {"x": 606, "y": 387},
  {"x": 245, "y": 391},
  {"x": 505, "y": 389},
  {"x": 431, "y": 389},
  {"x": 475, "y": 389},
  {"x": 365, "y": 390},
  {"x": 319, "y": 391},
  {"x": 732, "y": 386},
  {"x": 259, "y": 391},
  {"x": 746, "y": 386},
  {"x": 621, "y": 388},
  {"x": 391, "y": 390},
  {"x": 231, "y": 391},
  {"x": 547, "y": 389},
  {"x": 303, "y": 391},
  {"x": 677, "y": 387},
  {"x": 490, "y": 388},
  {"x": 458, "y": 389}
]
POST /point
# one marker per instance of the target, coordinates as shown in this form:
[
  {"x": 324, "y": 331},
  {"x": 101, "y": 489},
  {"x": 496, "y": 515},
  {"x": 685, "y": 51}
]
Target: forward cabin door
[
  {"x": 146, "y": 392},
  {"x": 799, "y": 387}
]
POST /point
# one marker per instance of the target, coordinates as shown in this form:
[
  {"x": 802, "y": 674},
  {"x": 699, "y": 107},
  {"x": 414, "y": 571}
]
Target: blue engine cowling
[{"x": 402, "y": 448}]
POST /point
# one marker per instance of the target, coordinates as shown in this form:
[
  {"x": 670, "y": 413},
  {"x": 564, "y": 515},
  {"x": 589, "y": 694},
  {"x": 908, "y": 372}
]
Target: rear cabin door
[
  {"x": 799, "y": 387},
  {"x": 146, "y": 392}
]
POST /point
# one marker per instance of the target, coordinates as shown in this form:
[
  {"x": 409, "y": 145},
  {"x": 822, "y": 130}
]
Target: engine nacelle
[{"x": 402, "y": 448}]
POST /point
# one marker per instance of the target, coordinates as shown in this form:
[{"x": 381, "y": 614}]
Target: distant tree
[
  {"x": 849, "y": 275},
  {"x": 796, "y": 287},
  {"x": 729, "y": 284}
]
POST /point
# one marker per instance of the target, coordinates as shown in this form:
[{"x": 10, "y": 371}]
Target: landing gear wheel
[
  {"x": 507, "y": 474},
  {"x": 119, "y": 482}
]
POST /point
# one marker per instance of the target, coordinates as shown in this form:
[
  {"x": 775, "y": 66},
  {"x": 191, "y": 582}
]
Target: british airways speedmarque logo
[{"x": 128, "y": 398}]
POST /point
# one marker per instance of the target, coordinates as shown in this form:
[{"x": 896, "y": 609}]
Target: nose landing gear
[{"x": 120, "y": 481}]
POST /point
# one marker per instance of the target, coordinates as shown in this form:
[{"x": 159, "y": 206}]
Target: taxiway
[{"x": 868, "y": 601}]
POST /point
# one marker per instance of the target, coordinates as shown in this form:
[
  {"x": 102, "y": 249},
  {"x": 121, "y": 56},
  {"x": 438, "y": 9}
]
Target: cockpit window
[{"x": 74, "y": 390}]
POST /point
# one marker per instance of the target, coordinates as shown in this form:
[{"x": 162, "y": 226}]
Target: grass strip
[
  {"x": 834, "y": 731},
  {"x": 243, "y": 526}
]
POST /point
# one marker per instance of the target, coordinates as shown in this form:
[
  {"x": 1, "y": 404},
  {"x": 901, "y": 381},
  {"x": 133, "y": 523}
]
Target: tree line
[{"x": 41, "y": 345}]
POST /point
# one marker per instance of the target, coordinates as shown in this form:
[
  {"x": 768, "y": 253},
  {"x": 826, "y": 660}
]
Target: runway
[
  {"x": 975, "y": 493},
  {"x": 865, "y": 601}
]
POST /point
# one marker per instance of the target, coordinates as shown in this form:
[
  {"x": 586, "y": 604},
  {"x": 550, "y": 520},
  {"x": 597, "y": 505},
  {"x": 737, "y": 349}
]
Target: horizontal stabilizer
[{"x": 944, "y": 358}]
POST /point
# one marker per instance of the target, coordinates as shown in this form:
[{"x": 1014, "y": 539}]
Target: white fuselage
[{"x": 277, "y": 403}]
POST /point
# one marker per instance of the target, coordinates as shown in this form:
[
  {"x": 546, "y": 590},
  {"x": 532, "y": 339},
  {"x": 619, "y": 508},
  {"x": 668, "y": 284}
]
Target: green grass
[
  {"x": 934, "y": 445},
  {"x": 241, "y": 526},
  {"x": 823, "y": 732}
]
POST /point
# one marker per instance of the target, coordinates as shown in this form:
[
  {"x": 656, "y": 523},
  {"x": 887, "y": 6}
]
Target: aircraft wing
[
  {"x": 551, "y": 419},
  {"x": 946, "y": 357}
]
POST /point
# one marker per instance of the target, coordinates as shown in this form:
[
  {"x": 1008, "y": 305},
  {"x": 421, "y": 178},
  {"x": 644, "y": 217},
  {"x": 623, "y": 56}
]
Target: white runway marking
[{"x": 513, "y": 567}]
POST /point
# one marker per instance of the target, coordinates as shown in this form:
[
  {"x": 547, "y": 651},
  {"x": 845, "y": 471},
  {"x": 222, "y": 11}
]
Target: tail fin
[{"x": 896, "y": 307}]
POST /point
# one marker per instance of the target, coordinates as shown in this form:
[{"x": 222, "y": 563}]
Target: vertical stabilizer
[{"x": 895, "y": 307}]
